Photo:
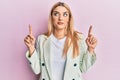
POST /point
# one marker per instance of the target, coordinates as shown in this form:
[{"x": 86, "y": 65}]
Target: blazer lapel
[{"x": 47, "y": 56}]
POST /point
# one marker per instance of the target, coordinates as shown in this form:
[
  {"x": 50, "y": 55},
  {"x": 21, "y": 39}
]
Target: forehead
[{"x": 60, "y": 9}]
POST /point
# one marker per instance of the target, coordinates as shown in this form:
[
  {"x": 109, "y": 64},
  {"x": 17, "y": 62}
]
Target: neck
[{"x": 59, "y": 34}]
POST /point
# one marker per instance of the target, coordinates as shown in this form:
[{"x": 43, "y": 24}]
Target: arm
[
  {"x": 87, "y": 58},
  {"x": 33, "y": 53},
  {"x": 34, "y": 59},
  {"x": 87, "y": 55}
]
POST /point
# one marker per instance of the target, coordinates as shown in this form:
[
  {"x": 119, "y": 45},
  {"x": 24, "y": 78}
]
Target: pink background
[{"x": 16, "y": 15}]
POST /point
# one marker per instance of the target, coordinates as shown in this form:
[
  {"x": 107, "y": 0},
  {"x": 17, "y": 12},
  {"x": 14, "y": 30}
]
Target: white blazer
[{"x": 40, "y": 61}]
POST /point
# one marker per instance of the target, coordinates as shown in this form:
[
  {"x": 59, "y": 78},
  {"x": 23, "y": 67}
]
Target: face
[{"x": 60, "y": 17}]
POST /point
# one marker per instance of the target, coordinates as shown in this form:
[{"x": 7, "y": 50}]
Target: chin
[{"x": 60, "y": 27}]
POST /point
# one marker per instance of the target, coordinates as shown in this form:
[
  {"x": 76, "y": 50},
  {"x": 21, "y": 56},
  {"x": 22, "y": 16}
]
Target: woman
[{"x": 61, "y": 53}]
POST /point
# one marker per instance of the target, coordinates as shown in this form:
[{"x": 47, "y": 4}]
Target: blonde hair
[{"x": 71, "y": 36}]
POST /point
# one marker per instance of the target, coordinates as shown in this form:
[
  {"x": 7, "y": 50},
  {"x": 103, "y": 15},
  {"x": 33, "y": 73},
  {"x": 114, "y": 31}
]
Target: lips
[{"x": 60, "y": 23}]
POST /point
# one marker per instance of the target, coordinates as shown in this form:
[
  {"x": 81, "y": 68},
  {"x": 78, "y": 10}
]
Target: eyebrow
[{"x": 59, "y": 12}]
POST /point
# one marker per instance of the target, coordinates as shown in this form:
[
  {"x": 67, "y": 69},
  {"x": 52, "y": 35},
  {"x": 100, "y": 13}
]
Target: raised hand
[
  {"x": 30, "y": 40},
  {"x": 91, "y": 40}
]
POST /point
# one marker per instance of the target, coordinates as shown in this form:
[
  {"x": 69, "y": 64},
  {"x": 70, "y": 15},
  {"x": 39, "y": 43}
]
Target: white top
[{"x": 57, "y": 61}]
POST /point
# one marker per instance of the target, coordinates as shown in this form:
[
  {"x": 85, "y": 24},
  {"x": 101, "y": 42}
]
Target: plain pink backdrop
[{"x": 16, "y": 15}]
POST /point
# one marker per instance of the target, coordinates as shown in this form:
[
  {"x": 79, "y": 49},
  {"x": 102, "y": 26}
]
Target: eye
[
  {"x": 65, "y": 14},
  {"x": 56, "y": 14}
]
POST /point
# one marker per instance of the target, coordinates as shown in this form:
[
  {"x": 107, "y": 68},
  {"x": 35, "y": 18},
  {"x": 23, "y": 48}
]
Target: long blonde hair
[{"x": 71, "y": 36}]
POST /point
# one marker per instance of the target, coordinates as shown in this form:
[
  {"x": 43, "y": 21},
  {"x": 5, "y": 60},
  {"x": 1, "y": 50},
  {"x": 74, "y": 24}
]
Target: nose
[{"x": 60, "y": 17}]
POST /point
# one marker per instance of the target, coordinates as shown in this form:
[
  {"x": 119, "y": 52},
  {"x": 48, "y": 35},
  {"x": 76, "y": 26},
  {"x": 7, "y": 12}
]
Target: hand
[
  {"x": 30, "y": 40},
  {"x": 91, "y": 40}
]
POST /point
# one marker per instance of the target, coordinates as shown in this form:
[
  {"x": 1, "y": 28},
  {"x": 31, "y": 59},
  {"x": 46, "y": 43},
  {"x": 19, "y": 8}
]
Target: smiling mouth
[{"x": 60, "y": 23}]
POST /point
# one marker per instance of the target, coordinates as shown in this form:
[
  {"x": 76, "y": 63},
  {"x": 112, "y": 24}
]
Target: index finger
[
  {"x": 30, "y": 30},
  {"x": 90, "y": 30}
]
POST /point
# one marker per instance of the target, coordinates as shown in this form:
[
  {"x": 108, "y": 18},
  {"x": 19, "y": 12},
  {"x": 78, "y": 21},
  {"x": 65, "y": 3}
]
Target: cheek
[
  {"x": 54, "y": 19},
  {"x": 66, "y": 20}
]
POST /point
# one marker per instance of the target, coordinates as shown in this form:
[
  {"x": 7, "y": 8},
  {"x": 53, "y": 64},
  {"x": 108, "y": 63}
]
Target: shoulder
[
  {"x": 80, "y": 35},
  {"x": 41, "y": 37}
]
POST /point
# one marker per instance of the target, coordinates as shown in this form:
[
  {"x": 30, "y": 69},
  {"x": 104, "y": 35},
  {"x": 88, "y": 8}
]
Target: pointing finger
[
  {"x": 90, "y": 31},
  {"x": 30, "y": 30}
]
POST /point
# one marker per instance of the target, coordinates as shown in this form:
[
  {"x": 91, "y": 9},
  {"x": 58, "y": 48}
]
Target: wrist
[
  {"x": 31, "y": 50},
  {"x": 91, "y": 50}
]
